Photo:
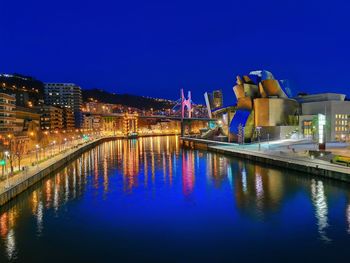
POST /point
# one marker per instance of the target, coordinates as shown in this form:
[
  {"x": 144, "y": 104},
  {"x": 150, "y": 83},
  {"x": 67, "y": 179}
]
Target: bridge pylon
[{"x": 186, "y": 104}]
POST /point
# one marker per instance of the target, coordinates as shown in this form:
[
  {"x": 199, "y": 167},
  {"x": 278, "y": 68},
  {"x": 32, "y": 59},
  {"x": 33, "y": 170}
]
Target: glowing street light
[
  {"x": 36, "y": 153},
  {"x": 321, "y": 131}
]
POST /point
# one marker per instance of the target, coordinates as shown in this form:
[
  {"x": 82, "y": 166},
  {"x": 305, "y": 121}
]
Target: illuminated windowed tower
[{"x": 65, "y": 95}]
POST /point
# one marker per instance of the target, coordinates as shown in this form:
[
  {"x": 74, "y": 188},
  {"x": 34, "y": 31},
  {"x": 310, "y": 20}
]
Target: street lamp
[
  {"x": 3, "y": 163},
  {"x": 36, "y": 153},
  {"x": 53, "y": 147},
  {"x": 6, "y": 153},
  {"x": 258, "y": 130}
]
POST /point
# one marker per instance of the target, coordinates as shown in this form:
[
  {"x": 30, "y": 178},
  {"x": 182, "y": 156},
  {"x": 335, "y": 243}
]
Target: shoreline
[
  {"x": 35, "y": 174},
  {"x": 279, "y": 159}
]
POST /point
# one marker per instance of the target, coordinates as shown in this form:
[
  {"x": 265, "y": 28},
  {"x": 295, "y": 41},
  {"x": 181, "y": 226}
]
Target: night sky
[{"x": 156, "y": 47}]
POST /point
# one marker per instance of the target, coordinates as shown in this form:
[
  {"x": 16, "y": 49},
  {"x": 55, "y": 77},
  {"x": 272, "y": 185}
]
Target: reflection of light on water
[
  {"x": 209, "y": 170},
  {"x": 131, "y": 167},
  {"x": 177, "y": 143},
  {"x": 74, "y": 183},
  {"x": 39, "y": 218},
  {"x": 105, "y": 175},
  {"x": 66, "y": 187},
  {"x": 348, "y": 217},
  {"x": 10, "y": 244},
  {"x": 244, "y": 180},
  {"x": 55, "y": 195},
  {"x": 79, "y": 167},
  {"x": 164, "y": 167},
  {"x": 158, "y": 144},
  {"x": 259, "y": 186},
  {"x": 167, "y": 144},
  {"x": 152, "y": 167},
  {"x": 34, "y": 202},
  {"x": 197, "y": 159},
  {"x": 188, "y": 176},
  {"x": 170, "y": 170},
  {"x": 229, "y": 175},
  {"x": 95, "y": 167},
  {"x": 48, "y": 193},
  {"x": 145, "y": 168},
  {"x": 319, "y": 201},
  {"x": 4, "y": 224},
  {"x": 175, "y": 163}
]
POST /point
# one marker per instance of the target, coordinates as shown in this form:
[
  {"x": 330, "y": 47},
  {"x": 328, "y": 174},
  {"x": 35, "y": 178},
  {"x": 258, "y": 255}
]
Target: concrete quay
[{"x": 277, "y": 158}]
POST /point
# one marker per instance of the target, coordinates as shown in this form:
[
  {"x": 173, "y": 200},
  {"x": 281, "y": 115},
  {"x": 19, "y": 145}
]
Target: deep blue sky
[{"x": 155, "y": 47}]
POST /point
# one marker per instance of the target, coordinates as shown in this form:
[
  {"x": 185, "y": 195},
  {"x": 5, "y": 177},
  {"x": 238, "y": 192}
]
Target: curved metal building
[{"x": 263, "y": 103}]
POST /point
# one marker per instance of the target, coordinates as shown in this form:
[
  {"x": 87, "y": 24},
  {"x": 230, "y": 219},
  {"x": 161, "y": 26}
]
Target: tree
[
  {"x": 16, "y": 149},
  {"x": 19, "y": 150}
]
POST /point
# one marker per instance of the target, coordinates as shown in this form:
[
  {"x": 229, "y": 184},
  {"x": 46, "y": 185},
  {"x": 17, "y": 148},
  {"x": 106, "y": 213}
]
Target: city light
[{"x": 321, "y": 124}]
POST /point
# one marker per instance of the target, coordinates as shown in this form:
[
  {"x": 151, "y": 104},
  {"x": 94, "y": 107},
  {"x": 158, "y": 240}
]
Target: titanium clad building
[{"x": 263, "y": 106}]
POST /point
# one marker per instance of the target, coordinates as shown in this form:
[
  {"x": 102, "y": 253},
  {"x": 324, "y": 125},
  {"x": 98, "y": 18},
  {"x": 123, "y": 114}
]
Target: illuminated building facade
[
  {"x": 337, "y": 116},
  {"x": 68, "y": 119},
  {"x": 27, "y": 120},
  {"x": 262, "y": 103},
  {"x": 92, "y": 122},
  {"x": 51, "y": 118},
  {"x": 65, "y": 95},
  {"x": 213, "y": 101},
  {"x": 29, "y": 92},
  {"x": 99, "y": 107},
  {"x": 7, "y": 113},
  {"x": 217, "y": 99},
  {"x": 130, "y": 123}
]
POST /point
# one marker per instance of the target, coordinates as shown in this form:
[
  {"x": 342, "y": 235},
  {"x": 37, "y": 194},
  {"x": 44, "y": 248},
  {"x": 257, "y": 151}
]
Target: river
[{"x": 149, "y": 200}]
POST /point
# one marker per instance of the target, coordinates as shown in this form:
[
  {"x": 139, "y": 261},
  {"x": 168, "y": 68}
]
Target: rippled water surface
[{"x": 149, "y": 200}]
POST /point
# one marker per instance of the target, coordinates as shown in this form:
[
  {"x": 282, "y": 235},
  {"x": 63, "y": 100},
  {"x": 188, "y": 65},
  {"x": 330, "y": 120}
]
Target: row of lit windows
[
  {"x": 341, "y": 116},
  {"x": 339, "y": 129},
  {"x": 341, "y": 122}
]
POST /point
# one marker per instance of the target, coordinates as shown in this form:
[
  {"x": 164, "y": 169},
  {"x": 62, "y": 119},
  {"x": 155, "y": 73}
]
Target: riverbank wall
[{"x": 300, "y": 164}]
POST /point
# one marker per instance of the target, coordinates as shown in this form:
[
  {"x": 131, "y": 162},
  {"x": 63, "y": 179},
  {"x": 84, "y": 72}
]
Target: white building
[{"x": 334, "y": 107}]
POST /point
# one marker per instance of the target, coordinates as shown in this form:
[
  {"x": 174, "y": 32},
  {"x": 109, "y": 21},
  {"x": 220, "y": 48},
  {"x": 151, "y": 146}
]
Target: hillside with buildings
[
  {"x": 27, "y": 90},
  {"x": 37, "y": 114},
  {"x": 129, "y": 100}
]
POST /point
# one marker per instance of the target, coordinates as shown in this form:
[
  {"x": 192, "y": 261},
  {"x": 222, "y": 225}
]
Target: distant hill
[
  {"x": 139, "y": 102},
  {"x": 19, "y": 81},
  {"x": 28, "y": 90}
]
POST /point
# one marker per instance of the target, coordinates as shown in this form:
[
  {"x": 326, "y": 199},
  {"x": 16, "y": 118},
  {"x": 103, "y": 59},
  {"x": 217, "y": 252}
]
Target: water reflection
[
  {"x": 128, "y": 166},
  {"x": 11, "y": 244},
  {"x": 321, "y": 207},
  {"x": 348, "y": 217},
  {"x": 7, "y": 232},
  {"x": 188, "y": 175}
]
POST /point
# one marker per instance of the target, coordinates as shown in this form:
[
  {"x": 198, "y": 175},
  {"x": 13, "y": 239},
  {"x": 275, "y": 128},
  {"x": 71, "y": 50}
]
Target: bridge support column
[{"x": 182, "y": 128}]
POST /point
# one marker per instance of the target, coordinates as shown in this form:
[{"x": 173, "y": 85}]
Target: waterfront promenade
[
  {"x": 19, "y": 182},
  {"x": 286, "y": 159}
]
